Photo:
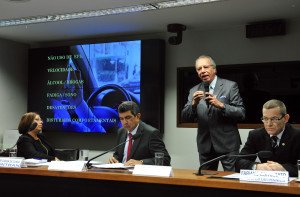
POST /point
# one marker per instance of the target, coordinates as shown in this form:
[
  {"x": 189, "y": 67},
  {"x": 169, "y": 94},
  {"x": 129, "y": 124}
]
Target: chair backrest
[
  {"x": 4, "y": 153},
  {"x": 10, "y": 138},
  {"x": 67, "y": 154}
]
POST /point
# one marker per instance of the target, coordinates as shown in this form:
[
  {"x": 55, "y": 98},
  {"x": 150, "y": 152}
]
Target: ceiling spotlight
[{"x": 178, "y": 29}]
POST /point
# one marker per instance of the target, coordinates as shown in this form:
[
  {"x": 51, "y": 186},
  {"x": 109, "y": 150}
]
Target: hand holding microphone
[
  {"x": 210, "y": 99},
  {"x": 197, "y": 96},
  {"x": 206, "y": 89}
]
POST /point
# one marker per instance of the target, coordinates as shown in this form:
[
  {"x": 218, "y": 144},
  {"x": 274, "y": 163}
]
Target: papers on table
[
  {"x": 261, "y": 176},
  {"x": 232, "y": 176},
  {"x": 113, "y": 166},
  {"x": 36, "y": 162},
  {"x": 43, "y": 162},
  {"x": 95, "y": 162}
]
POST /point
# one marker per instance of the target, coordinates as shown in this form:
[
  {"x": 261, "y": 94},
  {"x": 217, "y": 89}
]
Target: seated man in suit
[
  {"x": 146, "y": 143},
  {"x": 277, "y": 136}
]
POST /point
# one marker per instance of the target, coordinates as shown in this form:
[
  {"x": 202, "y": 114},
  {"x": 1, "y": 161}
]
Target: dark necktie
[
  {"x": 129, "y": 145},
  {"x": 274, "y": 142}
]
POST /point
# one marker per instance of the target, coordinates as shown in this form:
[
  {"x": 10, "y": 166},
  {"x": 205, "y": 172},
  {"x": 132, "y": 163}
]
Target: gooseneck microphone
[
  {"x": 261, "y": 154},
  {"x": 134, "y": 137},
  {"x": 208, "y": 162}
]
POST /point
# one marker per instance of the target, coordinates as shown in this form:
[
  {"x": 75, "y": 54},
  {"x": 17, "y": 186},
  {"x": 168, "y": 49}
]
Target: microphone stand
[
  {"x": 88, "y": 165},
  {"x": 210, "y": 161},
  {"x": 250, "y": 155},
  {"x": 263, "y": 154}
]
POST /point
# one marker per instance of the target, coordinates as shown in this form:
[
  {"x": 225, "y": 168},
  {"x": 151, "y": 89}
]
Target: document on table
[
  {"x": 113, "y": 166},
  {"x": 232, "y": 176},
  {"x": 36, "y": 162},
  {"x": 237, "y": 176}
]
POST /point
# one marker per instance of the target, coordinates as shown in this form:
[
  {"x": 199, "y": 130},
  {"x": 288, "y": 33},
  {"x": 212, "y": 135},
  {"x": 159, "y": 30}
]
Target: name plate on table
[
  {"x": 152, "y": 170},
  {"x": 12, "y": 162},
  {"x": 76, "y": 166},
  {"x": 264, "y": 176}
]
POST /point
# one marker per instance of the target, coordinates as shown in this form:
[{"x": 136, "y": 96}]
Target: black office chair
[
  {"x": 4, "y": 153},
  {"x": 67, "y": 154}
]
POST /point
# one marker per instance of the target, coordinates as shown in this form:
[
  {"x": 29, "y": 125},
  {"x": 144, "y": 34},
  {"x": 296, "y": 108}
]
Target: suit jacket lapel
[
  {"x": 218, "y": 87},
  {"x": 283, "y": 141},
  {"x": 123, "y": 139},
  {"x": 267, "y": 146},
  {"x": 136, "y": 141},
  {"x": 268, "y": 142}
]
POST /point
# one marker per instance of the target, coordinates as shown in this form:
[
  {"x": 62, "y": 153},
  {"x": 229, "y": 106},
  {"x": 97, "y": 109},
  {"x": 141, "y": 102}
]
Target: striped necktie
[{"x": 274, "y": 140}]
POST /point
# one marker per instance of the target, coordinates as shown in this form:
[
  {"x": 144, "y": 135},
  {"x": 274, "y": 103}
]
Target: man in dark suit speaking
[
  {"x": 217, "y": 106},
  {"x": 277, "y": 136},
  {"x": 142, "y": 149}
]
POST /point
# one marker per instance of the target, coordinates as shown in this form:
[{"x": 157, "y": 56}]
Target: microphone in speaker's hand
[
  {"x": 206, "y": 90},
  {"x": 261, "y": 154},
  {"x": 134, "y": 137}
]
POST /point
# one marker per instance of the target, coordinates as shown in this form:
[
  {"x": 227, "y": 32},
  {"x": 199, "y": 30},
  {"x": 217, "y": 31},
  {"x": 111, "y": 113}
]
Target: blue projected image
[{"x": 98, "y": 78}]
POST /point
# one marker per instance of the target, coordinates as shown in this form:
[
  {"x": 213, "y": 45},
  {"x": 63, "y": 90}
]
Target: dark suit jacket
[
  {"x": 28, "y": 148},
  {"x": 217, "y": 127},
  {"x": 286, "y": 154},
  {"x": 144, "y": 147}
]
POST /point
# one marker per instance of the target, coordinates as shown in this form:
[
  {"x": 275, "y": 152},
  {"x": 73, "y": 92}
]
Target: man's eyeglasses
[{"x": 273, "y": 119}]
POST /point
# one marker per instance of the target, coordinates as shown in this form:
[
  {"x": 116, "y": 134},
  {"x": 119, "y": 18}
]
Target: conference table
[{"x": 39, "y": 181}]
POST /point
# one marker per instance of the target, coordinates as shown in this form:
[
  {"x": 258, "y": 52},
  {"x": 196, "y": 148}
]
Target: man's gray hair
[
  {"x": 213, "y": 63},
  {"x": 273, "y": 103}
]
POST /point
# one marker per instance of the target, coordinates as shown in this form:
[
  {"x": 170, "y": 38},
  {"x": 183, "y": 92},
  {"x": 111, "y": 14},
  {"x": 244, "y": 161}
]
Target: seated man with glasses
[
  {"x": 277, "y": 136},
  {"x": 141, "y": 141}
]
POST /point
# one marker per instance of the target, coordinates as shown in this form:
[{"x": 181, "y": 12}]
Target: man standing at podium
[
  {"x": 216, "y": 105},
  {"x": 277, "y": 136},
  {"x": 142, "y": 140}
]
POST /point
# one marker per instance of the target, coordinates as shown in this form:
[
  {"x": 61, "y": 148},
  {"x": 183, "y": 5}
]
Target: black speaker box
[{"x": 266, "y": 28}]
